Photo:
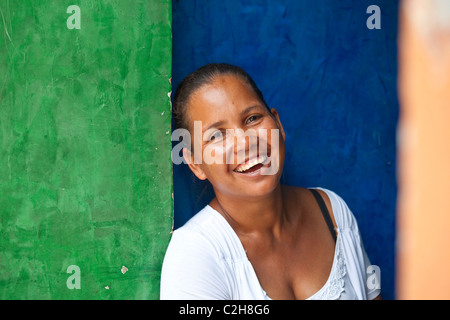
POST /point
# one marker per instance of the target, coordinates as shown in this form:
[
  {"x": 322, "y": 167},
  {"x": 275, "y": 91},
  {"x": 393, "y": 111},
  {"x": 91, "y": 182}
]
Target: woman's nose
[{"x": 245, "y": 142}]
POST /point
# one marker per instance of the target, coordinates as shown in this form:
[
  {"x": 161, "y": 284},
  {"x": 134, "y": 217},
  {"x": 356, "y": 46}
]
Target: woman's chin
[{"x": 256, "y": 185}]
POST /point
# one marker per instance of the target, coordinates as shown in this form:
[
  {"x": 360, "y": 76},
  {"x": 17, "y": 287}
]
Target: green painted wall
[{"x": 85, "y": 164}]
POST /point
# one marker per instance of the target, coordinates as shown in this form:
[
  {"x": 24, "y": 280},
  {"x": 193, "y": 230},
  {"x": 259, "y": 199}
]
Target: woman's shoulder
[
  {"x": 339, "y": 211},
  {"x": 193, "y": 263},
  {"x": 197, "y": 222},
  {"x": 342, "y": 214},
  {"x": 196, "y": 229},
  {"x": 207, "y": 230},
  {"x": 191, "y": 241}
]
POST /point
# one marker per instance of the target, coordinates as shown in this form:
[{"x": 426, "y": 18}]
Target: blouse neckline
[{"x": 244, "y": 255}]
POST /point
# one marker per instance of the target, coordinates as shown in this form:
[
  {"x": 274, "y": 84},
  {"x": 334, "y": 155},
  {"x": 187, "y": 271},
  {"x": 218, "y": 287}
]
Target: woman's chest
[{"x": 295, "y": 270}]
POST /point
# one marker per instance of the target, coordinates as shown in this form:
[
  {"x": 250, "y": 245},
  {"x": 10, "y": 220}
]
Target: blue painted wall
[{"x": 333, "y": 82}]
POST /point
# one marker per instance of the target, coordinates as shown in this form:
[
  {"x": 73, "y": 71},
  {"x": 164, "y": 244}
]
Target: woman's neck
[{"x": 262, "y": 215}]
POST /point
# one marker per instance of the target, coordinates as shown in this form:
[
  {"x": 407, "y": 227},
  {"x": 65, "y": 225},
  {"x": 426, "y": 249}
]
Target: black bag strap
[{"x": 325, "y": 212}]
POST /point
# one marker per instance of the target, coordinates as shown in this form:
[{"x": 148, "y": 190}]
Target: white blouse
[{"x": 206, "y": 260}]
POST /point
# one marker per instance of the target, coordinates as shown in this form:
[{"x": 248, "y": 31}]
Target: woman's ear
[
  {"x": 277, "y": 119},
  {"x": 195, "y": 168}
]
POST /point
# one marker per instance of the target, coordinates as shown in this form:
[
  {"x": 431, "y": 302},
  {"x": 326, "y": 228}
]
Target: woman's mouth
[{"x": 252, "y": 165}]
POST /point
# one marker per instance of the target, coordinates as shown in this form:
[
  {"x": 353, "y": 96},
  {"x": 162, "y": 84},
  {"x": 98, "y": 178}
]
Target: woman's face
[{"x": 241, "y": 142}]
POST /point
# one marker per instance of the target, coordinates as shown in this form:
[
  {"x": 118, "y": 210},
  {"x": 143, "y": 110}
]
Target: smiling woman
[{"x": 256, "y": 238}]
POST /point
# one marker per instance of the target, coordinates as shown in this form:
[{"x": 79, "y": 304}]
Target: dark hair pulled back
[{"x": 200, "y": 77}]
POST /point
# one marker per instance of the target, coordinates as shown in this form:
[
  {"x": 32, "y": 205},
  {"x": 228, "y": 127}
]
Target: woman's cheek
[{"x": 214, "y": 153}]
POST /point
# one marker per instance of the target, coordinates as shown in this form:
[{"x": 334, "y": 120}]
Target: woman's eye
[
  {"x": 252, "y": 118},
  {"x": 215, "y": 135}
]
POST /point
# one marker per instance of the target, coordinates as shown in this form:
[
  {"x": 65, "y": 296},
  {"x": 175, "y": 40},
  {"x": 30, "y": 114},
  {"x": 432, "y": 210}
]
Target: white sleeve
[
  {"x": 192, "y": 269},
  {"x": 364, "y": 276}
]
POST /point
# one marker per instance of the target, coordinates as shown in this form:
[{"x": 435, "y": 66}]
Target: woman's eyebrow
[
  {"x": 222, "y": 122},
  {"x": 215, "y": 124},
  {"x": 248, "y": 109}
]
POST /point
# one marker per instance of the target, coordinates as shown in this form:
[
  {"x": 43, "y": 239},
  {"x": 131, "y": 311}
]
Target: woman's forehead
[{"x": 226, "y": 93}]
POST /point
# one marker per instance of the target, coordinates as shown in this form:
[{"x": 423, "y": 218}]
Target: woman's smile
[{"x": 252, "y": 165}]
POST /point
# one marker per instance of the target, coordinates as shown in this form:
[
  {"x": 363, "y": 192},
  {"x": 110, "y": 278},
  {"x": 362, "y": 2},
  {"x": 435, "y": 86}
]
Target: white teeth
[{"x": 251, "y": 163}]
